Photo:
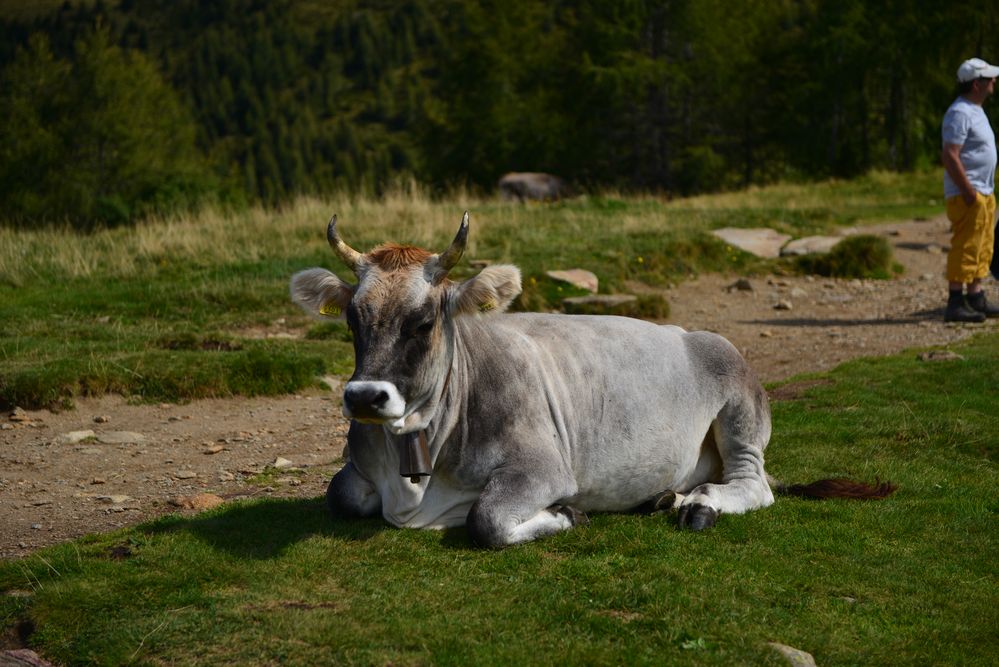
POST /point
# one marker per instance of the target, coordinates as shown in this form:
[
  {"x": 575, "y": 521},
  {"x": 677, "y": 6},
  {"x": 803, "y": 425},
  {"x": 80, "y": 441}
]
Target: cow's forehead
[{"x": 396, "y": 279}]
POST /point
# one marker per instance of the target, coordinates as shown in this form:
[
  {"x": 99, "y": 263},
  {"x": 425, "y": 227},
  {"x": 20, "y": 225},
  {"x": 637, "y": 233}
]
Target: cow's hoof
[
  {"x": 576, "y": 517},
  {"x": 664, "y": 502},
  {"x": 697, "y": 517}
]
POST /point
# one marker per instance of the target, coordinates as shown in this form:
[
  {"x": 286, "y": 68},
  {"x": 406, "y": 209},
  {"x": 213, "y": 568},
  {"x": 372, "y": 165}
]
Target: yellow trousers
[{"x": 973, "y": 229}]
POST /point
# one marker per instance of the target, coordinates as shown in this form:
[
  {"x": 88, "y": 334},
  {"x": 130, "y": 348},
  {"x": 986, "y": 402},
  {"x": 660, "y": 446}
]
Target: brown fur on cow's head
[{"x": 321, "y": 293}]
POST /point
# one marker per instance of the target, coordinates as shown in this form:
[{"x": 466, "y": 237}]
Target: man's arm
[{"x": 951, "y": 158}]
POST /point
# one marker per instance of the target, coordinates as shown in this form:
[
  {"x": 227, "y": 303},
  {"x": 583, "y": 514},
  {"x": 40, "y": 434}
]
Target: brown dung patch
[{"x": 392, "y": 256}]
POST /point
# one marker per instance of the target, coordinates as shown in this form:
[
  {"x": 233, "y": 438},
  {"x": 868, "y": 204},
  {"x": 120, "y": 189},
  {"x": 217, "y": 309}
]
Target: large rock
[
  {"x": 810, "y": 245},
  {"x": 580, "y": 278},
  {"x": 759, "y": 241}
]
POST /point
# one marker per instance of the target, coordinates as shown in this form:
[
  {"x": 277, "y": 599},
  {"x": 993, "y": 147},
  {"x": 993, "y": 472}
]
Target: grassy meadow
[
  {"x": 178, "y": 308},
  {"x": 909, "y": 580},
  {"x": 195, "y": 306}
]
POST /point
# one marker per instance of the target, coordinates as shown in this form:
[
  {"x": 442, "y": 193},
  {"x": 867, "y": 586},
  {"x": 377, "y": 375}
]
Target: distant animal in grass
[{"x": 534, "y": 186}]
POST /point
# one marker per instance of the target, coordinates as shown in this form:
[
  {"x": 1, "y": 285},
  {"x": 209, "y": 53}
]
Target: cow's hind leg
[
  {"x": 518, "y": 506},
  {"x": 741, "y": 432}
]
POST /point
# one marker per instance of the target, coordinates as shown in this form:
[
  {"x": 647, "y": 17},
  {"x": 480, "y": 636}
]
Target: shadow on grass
[{"x": 264, "y": 529}]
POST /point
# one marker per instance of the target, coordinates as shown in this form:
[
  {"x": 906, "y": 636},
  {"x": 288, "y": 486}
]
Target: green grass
[
  {"x": 861, "y": 256},
  {"x": 111, "y": 311},
  {"x": 909, "y": 580}
]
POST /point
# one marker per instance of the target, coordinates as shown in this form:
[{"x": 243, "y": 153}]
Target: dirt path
[{"x": 142, "y": 461}]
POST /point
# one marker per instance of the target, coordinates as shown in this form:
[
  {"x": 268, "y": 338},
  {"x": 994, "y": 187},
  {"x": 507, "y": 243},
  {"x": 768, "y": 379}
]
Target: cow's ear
[
  {"x": 319, "y": 292},
  {"x": 491, "y": 290}
]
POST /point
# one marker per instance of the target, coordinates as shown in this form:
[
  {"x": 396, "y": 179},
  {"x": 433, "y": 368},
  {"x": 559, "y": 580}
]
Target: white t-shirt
[{"x": 966, "y": 125}]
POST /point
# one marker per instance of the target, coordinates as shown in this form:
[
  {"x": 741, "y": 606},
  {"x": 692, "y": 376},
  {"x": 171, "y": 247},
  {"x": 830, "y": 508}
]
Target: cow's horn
[
  {"x": 349, "y": 256},
  {"x": 451, "y": 256}
]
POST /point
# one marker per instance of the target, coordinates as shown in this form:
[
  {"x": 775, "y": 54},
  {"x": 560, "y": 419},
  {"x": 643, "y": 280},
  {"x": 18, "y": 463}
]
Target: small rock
[
  {"x": 74, "y": 437},
  {"x": 810, "y": 245},
  {"x": 331, "y": 383},
  {"x": 19, "y": 415},
  {"x": 741, "y": 285},
  {"x": 198, "y": 502},
  {"x": 762, "y": 242},
  {"x": 281, "y": 463},
  {"x": 766, "y": 333},
  {"x": 783, "y": 304},
  {"x": 795, "y": 657},
  {"x": 22, "y": 657},
  {"x": 226, "y": 476},
  {"x": 40, "y": 502},
  {"x": 580, "y": 278},
  {"x": 102, "y": 419},
  {"x": 798, "y": 293},
  {"x": 36, "y": 526},
  {"x": 116, "y": 499},
  {"x": 185, "y": 474},
  {"x": 97, "y": 480},
  {"x": 927, "y": 276},
  {"x": 214, "y": 449},
  {"x": 121, "y": 438}
]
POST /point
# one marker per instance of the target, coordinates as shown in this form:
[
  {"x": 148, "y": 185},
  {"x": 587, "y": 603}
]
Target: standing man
[{"x": 969, "y": 160}]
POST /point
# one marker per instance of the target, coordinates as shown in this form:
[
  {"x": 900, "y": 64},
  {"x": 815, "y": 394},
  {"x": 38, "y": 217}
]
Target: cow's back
[{"x": 628, "y": 403}]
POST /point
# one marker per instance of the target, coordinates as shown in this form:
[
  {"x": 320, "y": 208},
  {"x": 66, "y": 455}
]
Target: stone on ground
[{"x": 759, "y": 241}]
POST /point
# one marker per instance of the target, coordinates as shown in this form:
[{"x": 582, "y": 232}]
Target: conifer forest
[{"x": 111, "y": 110}]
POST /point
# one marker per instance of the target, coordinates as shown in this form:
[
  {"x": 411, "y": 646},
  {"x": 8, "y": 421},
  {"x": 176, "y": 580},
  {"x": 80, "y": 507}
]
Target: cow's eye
[{"x": 420, "y": 329}]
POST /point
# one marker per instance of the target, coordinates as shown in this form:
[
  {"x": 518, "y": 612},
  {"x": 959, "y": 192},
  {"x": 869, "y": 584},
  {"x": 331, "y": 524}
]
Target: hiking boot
[
  {"x": 958, "y": 310},
  {"x": 979, "y": 303}
]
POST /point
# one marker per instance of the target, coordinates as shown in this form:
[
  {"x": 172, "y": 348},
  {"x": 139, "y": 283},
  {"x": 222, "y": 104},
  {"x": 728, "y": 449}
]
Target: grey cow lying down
[{"x": 516, "y": 425}]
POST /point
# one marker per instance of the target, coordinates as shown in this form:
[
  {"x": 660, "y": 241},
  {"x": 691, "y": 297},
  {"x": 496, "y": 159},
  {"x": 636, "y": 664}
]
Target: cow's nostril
[{"x": 372, "y": 400}]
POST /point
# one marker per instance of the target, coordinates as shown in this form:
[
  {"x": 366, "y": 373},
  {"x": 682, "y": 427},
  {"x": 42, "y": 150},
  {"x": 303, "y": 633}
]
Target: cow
[
  {"x": 519, "y": 424},
  {"x": 536, "y": 186}
]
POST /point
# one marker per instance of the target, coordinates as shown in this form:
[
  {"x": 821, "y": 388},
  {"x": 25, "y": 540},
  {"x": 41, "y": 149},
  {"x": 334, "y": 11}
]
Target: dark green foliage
[
  {"x": 860, "y": 256},
  {"x": 299, "y": 96},
  {"x": 97, "y": 138}
]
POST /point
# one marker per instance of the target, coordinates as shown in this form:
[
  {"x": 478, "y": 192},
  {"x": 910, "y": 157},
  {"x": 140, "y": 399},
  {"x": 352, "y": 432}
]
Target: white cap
[{"x": 976, "y": 68}]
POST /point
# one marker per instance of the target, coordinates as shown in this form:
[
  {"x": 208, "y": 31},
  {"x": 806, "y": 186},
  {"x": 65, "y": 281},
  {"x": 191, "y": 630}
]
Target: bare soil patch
[{"x": 143, "y": 461}]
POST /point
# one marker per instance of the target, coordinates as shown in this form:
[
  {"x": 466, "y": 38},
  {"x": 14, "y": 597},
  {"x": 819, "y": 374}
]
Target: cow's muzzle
[{"x": 375, "y": 402}]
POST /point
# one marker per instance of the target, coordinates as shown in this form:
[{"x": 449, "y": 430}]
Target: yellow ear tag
[
  {"x": 329, "y": 309},
  {"x": 486, "y": 306}
]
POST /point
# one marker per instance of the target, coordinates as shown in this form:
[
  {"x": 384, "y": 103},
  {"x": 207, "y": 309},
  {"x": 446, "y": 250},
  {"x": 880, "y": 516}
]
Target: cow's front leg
[
  {"x": 520, "y": 506},
  {"x": 351, "y": 495}
]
